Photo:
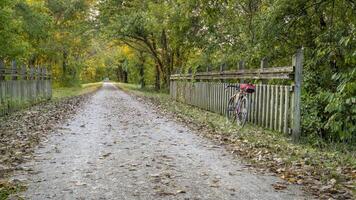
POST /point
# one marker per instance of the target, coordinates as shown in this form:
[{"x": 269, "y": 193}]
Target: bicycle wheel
[
  {"x": 242, "y": 112},
  {"x": 231, "y": 110}
]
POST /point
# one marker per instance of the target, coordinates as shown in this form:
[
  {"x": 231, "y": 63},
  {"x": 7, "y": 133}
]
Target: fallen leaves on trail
[
  {"x": 279, "y": 186},
  {"x": 20, "y": 132},
  {"x": 105, "y": 155},
  {"x": 180, "y": 191},
  {"x": 164, "y": 193},
  {"x": 317, "y": 171}
]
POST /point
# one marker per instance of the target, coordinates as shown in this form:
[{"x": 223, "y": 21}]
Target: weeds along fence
[
  {"x": 276, "y": 107},
  {"x": 22, "y": 86}
]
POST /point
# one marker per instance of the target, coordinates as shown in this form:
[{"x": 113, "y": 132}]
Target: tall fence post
[
  {"x": 32, "y": 73},
  {"x": 2, "y": 78},
  {"x": 2, "y": 70},
  {"x": 14, "y": 70},
  {"x": 23, "y": 72},
  {"x": 222, "y": 69},
  {"x": 23, "y": 75},
  {"x": 241, "y": 66},
  {"x": 298, "y": 67},
  {"x": 264, "y": 64},
  {"x": 38, "y": 73},
  {"x": 208, "y": 67},
  {"x": 43, "y": 73}
]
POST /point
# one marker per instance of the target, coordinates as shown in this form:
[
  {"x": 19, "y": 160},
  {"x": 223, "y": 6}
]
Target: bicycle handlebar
[{"x": 233, "y": 86}]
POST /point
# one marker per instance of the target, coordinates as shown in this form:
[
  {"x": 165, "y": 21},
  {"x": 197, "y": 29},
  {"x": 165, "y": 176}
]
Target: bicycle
[{"x": 238, "y": 106}]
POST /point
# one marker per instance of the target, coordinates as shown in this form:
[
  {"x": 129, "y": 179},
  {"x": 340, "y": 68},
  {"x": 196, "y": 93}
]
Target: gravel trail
[{"x": 116, "y": 147}]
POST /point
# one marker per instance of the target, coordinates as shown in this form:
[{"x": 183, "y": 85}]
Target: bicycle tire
[
  {"x": 241, "y": 116},
  {"x": 230, "y": 110}
]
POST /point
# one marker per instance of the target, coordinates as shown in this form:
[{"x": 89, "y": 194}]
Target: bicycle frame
[
  {"x": 238, "y": 104},
  {"x": 237, "y": 97}
]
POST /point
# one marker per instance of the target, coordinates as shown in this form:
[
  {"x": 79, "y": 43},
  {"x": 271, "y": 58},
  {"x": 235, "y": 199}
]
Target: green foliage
[
  {"x": 12, "y": 43},
  {"x": 87, "y": 40},
  {"x": 195, "y": 34},
  {"x": 341, "y": 107}
]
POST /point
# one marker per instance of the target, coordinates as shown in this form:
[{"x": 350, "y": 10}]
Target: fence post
[
  {"x": 32, "y": 73},
  {"x": 44, "y": 73},
  {"x": 2, "y": 78},
  {"x": 208, "y": 69},
  {"x": 48, "y": 83},
  {"x": 264, "y": 64},
  {"x": 298, "y": 67},
  {"x": 190, "y": 70},
  {"x": 38, "y": 73},
  {"x": 23, "y": 72},
  {"x": 14, "y": 73},
  {"x": 241, "y": 66},
  {"x": 2, "y": 70},
  {"x": 222, "y": 69}
]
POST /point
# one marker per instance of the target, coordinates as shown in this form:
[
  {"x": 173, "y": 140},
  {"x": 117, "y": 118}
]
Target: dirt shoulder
[{"x": 327, "y": 173}]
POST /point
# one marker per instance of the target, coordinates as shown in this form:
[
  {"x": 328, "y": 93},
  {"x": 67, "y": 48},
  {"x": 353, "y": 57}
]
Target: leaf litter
[
  {"x": 317, "y": 171},
  {"x": 21, "y": 132}
]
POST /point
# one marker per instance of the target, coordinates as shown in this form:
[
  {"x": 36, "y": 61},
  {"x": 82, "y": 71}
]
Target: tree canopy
[{"x": 145, "y": 41}]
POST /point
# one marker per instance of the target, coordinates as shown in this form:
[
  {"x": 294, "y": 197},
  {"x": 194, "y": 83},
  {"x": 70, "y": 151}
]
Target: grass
[
  {"x": 6, "y": 189},
  {"x": 64, "y": 92},
  {"x": 331, "y": 165}
]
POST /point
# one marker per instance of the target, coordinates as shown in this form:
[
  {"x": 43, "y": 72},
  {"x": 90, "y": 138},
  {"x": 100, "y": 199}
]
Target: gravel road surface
[{"x": 117, "y": 147}]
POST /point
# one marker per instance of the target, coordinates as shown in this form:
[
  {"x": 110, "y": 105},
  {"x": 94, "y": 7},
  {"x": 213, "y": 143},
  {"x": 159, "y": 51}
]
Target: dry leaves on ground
[
  {"x": 306, "y": 169},
  {"x": 20, "y": 132}
]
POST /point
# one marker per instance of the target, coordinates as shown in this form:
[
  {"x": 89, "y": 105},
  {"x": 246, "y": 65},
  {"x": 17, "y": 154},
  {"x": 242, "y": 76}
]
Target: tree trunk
[
  {"x": 158, "y": 79},
  {"x": 166, "y": 57},
  {"x": 32, "y": 61},
  {"x": 118, "y": 73},
  {"x": 126, "y": 77},
  {"x": 142, "y": 70},
  {"x": 142, "y": 76},
  {"x": 64, "y": 64}
]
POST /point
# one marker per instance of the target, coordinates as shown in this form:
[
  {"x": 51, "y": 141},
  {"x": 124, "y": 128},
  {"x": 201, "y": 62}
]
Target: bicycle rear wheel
[
  {"x": 241, "y": 115},
  {"x": 231, "y": 110}
]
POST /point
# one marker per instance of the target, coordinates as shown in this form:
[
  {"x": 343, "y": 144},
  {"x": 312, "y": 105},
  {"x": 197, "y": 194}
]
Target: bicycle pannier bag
[{"x": 249, "y": 88}]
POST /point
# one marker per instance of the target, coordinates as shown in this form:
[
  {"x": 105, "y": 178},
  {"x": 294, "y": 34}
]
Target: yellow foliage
[
  {"x": 127, "y": 51},
  {"x": 35, "y": 2}
]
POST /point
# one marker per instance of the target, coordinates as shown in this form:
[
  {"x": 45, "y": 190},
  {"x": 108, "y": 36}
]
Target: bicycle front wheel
[{"x": 242, "y": 112}]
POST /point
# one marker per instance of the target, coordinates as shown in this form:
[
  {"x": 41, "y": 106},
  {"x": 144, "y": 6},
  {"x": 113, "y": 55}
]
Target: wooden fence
[
  {"x": 22, "y": 86},
  {"x": 276, "y": 107}
]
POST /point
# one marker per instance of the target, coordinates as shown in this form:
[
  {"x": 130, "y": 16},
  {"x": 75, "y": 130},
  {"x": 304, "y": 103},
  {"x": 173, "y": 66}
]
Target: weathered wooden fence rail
[
  {"x": 22, "y": 86},
  {"x": 275, "y": 107}
]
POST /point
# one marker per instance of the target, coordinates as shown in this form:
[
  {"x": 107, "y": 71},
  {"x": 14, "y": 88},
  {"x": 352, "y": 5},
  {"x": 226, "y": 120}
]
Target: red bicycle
[{"x": 238, "y": 106}]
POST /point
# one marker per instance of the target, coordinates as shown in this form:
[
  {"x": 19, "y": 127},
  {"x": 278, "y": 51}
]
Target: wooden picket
[
  {"x": 269, "y": 106},
  {"x": 20, "y": 86},
  {"x": 275, "y": 107}
]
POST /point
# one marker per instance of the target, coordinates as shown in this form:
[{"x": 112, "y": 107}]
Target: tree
[
  {"x": 71, "y": 33},
  {"x": 12, "y": 43}
]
